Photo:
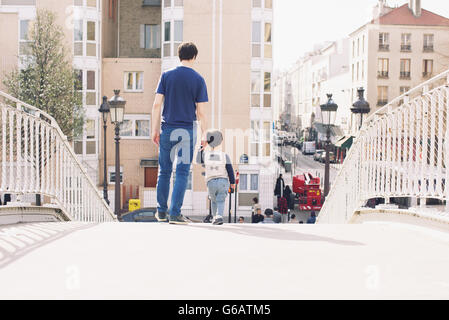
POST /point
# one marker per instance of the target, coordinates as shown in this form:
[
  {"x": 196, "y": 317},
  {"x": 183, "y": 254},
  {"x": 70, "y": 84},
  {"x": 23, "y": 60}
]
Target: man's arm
[
  {"x": 156, "y": 118},
  {"x": 201, "y": 116}
]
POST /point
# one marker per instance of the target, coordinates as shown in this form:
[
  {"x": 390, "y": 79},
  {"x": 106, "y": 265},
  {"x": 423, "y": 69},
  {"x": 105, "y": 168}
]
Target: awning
[
  {"x": 345, "y": 142},
  {"x": 149, "y": 163}
]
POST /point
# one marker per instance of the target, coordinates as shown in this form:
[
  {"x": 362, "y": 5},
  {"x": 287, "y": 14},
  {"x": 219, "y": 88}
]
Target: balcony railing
[
  {"x": 428, "y": 48},
  {"x": 406, "y": 48},
  {"x": 381, "y": 103},
  {"x": 382, "y": 74},
  {"x": 405, "y": 75},
  {"x": 384, "y": 47},
  {"x": 427, "y": 74}
]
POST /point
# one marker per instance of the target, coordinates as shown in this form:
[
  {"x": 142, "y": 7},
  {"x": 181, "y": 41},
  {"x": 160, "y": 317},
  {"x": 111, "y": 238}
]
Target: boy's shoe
[
  {"x": 178, "y": 220},
  {"x": 161, "y": 216},
  {"x": 218, "y": 221}
]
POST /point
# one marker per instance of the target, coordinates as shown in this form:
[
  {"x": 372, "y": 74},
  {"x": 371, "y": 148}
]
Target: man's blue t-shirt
[{"x": 182, "y": 88}]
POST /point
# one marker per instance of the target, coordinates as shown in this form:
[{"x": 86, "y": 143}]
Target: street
[{"x": 303, "y": 164}]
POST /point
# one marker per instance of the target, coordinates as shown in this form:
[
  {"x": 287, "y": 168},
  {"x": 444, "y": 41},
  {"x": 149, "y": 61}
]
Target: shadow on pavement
[{"x": 277, "y": 234}]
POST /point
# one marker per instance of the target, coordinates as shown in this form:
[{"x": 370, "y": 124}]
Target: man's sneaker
[
  {"x": 161, "y": 216},
  {"x": 178, "y": 220},
  {"x": 218, "y": 221}
]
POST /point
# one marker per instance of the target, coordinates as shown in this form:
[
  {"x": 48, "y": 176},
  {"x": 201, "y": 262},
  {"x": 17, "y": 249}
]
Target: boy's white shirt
[{"x": 215, "y": 168}]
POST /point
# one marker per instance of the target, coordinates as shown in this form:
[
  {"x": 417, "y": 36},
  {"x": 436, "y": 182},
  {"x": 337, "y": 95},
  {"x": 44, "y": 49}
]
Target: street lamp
[
  {"x": 117, "y": 110},
  {"x": 104, "y": 110},
  {"x": 328, "y": 112},
  {"x": 361, "y": 106}
]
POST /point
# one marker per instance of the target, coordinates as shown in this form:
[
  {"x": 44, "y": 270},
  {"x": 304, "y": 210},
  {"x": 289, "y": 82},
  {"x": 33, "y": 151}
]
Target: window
[
  {"x": 403, "y": 90},
  {"x": 91, "y": 45},
  {"x": 257, "y": 3},
  {"x": 91, "y": 91},
  {"x": 428, "y": 42},
  {"x": 363, "y": 69},
  {"x": 255, "y": 89},
  {"x": 179, "y": 3},
  {"x": 358, "y": 47},
  {"x": 266, "y": 144},
  {"x": 384, "y": 40},
  {"x": 256, "y": 39},
  {"x": 253, "y": 182},
  {"x": 255, "y": 138},
  {"x": 24, "y": 41},
  {"x": 135, "y": 126},
  {"x": 179, "y": 27},
  {"x": 167, "y": 3},
  {"x": 363, "y": 44},
  {"x": 268, "y": 48},
  {"x": 383, "y": 68},
  {"x": 382, "y": 95},
  {"x": 427, "y": 68},
  {"x": 405, "y": 69},
  {"x": 167, "y": 46},
  {"x": 87, "y": 143},
  {"x": 358, "y": 71},
  {"x": 268, "y": 4},
  {"x": 89, "y": 3},
  {"x": 134, "y": 81},
  {"x": 78, "y": 34},
  {"x": 406, "y": 42},
  {"x": 150, "y": 37},
  {"x": 111, "y": 175},
  {"x": 267, "y": 90}
]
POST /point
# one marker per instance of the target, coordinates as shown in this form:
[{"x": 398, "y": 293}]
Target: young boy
[{"x": 219, "y": 174}]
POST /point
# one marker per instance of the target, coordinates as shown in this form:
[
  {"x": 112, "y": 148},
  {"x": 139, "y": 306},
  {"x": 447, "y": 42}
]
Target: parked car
[
  {"x": 331, "y": 157},
  {"x": 141, "y": 215},
  {"x": 308, "y": 147},
  {"x": 317, "y": 154}
]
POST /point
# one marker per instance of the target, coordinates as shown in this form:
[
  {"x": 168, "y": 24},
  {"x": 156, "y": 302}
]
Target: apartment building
[
  {"x": 320, "y": 72},
  {"x": 399, "y": 49},
  {"x": 80, "y": 21},
  {"x": 126, "y": 44}
]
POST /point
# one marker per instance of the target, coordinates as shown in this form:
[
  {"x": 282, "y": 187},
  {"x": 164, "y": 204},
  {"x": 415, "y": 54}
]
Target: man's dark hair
[
  {"x": 242, "y": 218},
  {"x": 256, "y": 200},
  {"x": 187, "y": 51},
  {"x": 268, "y": 212}
]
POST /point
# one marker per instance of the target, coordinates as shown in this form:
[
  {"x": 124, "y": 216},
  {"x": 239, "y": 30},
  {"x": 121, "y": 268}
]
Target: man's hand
[
  {"x": 233, "y": 186},
  {"x": 203, "y": 144},
  {"x": 156, "y": 137}
]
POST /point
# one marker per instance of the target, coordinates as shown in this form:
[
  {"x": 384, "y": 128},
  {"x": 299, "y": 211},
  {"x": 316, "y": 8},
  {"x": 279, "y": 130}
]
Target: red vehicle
[{"x": 308, "y": 192}]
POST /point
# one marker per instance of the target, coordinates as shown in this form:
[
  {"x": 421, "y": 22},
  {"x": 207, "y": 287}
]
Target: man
[
  {"x": 258, "y": 217},
  {"x": 183, "y": 92},
  {"x": 241, "y": 220},
  {"x": 280, "y": 186}
]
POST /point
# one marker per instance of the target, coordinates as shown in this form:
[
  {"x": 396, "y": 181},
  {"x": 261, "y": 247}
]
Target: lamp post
[
  {"x": 104, "y": 110},
  {"x": 117, "y": 110},
  {"x": 328, "y": 111},
  {"x": 361, "y": 106}
]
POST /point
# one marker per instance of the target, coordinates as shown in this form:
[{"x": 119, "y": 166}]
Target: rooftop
[{"x": 404, "y": 16}]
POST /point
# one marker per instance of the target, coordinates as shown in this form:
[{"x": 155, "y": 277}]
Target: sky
[{"x": 300, "y": 24}]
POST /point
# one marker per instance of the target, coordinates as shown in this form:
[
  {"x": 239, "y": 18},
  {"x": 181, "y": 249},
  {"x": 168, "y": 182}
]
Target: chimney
[
  {"x": 415, "y": 7},
  {"x": 381, "y": 9}
]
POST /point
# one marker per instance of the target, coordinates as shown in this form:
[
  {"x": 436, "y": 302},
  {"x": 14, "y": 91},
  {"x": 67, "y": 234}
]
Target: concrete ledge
[
  {"x": 16, "y": 213},
  {"x": 423, "y": 217}
]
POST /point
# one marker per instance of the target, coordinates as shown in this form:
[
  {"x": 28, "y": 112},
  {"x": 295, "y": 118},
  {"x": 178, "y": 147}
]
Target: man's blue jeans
[{"x": 175, "y": 143}]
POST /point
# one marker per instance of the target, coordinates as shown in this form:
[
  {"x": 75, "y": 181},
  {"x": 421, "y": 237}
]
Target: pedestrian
[
  {"x": 293, "y": 219},
  {"x": 312, "y": 218},
  {"x": 268, "y": 216},
  {"x": 280, "y": 186},
  {"x": 258, "y": 217},
  {"x": 241, "y": 220},
  {"x": 183, "y": 93},
  {"x": 288, "y": 197},
  {"x": 219, "y": 174},
  {"x": 255, "y": 208}
]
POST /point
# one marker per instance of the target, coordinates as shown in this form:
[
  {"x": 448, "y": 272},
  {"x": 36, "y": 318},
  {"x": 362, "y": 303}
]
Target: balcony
[
  {"x": 382, "y": 74},
  {"x": 428, "y": 48},
  {"x": 427, "y": 75},
  {"x": 384, "y": 47},
  {"x": 406, "y": 48},
  {"x": 405, "y": 75}
]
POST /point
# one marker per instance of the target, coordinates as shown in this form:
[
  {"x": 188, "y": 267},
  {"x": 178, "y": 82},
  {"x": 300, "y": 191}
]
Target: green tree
[{"x": 47, "y": 79}]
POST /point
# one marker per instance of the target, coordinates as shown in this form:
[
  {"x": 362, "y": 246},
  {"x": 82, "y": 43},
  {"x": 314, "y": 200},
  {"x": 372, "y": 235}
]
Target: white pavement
[{"x": 161, "y": 261}]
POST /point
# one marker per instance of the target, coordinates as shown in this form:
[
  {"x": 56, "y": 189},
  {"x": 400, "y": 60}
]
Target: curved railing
[
  {"x": 36, "y": 158},
  {"x": 402, "y": 150}
]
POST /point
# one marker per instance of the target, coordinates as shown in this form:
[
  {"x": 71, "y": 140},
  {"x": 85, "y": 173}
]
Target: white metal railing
[
  {"x": 402, "y": 150},
  {"x": 36, "y": 158}
]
